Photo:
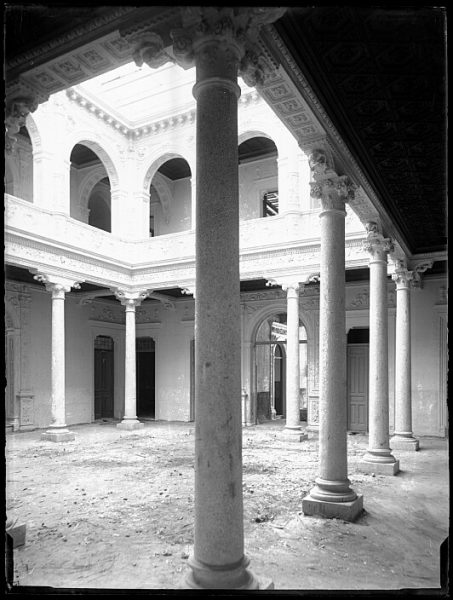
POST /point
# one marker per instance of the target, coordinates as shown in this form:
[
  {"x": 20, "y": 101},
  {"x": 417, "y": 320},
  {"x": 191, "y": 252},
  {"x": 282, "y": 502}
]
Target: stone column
[
  {"x": 217, "y": 42},
  {"x": 403, "y": 438},
  {"x": 378, "y": 458},
  {"x": 58, "y": 287},
  {"x": 292, "y": 431},
  {"x": 332, "y": 496},
  {"x": 130, "y": 300}
]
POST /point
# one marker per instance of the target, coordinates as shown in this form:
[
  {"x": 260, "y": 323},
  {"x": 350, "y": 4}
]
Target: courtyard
[{"x": 114, "y": 510}]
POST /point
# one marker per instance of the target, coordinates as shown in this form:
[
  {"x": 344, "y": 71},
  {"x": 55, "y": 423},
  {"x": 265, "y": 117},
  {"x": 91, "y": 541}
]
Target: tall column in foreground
[
  {"x": 58, "y": 287},
  {"x": 219, "y": 42},
  {"x": 130, "y": 300},
  {"x": 332, "y": 495},
  {"x": 378, "y": 458},
  {"x": 403, "y": 438}
]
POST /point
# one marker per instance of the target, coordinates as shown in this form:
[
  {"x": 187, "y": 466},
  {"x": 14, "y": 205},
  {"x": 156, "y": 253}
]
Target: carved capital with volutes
[
  {"x": 17, "y": 109},
  {"x": 418, "y": 269},
  {"x": 131, "y": 299},
  {"x": 402, "y": 276},
  {"x": 333, "y": 190},
  {"x": 376, "y": 244},
  {"x": 57, "y": 286}
]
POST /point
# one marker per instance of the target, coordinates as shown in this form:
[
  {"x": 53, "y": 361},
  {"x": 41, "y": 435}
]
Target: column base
[
  {"x": 203, "y": 576},
  {"x": 312, "y": 431},
  {"x": 17, "y": 532},
  {"x": 404, "y": 443},
  {"x": 348, "y": 511},
  {"x": 58, "y": 435},
  {"x": 381, "y": 468},
  {"x": 293, "y": 435},
  {"x": 130, "y": 424}
]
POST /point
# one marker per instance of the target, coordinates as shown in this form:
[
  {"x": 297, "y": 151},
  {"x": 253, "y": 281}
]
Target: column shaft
[
  {"x": 292, "y": 429},
  {"x": 58, "y": 362},
  {"x": 130, "y": 301},
  {"x": 57, "y": 431},
  {"x": 130, "y": 396},
  {"x": 403, "y": 438},
  {"x": 378, "y": 458}
]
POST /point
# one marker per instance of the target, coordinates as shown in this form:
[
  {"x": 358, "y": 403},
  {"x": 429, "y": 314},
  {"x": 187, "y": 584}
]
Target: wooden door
[
  {"x": 145, "y": 374},
  {"x": 103, "y": 383},
  {"x": 357, "y": 387}
]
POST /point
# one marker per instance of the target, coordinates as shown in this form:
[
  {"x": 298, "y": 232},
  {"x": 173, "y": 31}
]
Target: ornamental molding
[
  {"x": 74, "y": 34},
  {"x": 159, "y": 126},
  {"x": 236, "y": 29}
]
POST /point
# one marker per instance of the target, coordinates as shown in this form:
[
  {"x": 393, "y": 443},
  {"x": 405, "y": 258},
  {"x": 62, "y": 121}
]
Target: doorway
[
  {"x": 357, "y": 379},
  {"x": 103, "y": 377},
  {"x": 279, "y": 374},
  {"x": 146, "y": 377}
]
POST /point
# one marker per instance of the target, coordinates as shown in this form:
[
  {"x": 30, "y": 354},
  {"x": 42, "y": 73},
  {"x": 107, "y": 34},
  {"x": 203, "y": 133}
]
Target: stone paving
[{"x": 114, "y": 510}]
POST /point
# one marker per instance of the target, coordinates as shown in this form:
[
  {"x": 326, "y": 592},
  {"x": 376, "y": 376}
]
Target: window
[{"x": 270, "y": 204}]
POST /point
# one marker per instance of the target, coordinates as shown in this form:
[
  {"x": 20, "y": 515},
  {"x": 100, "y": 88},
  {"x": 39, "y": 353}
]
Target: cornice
[{"x": 124, "y": 127}]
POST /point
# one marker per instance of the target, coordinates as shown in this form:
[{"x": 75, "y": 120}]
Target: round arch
[
  {"x": 33, "y": 132},
  {"x": 156, "y": 163},
  {"x": 88, "y": 184},
  {"x": 85, "y": 140},
  {"x": 267, "y": 311}
]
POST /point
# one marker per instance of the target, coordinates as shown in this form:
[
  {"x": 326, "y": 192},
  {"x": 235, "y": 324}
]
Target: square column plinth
[
  {"x": 130, "y": 425},
  {"x": 58, "y": 436},
  {"x": 410, "y": 444},
  {"x": 288, "y": 435},
  {"x": 379, "y": 468},
  {"x": 348, "y": 511}
]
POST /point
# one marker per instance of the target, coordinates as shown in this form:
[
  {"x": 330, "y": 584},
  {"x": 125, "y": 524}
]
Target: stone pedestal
[
  {"x": 17, "y": 531},
  {"x": 332, "y": 495},
  {"x": 378, "y": 457},
  {"x": 57, "y": 434},
  {"x": 403, "y": 438}
]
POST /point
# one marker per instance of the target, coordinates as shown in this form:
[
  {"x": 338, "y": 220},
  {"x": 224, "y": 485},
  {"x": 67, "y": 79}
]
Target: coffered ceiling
[{"x": 379, "y": 74}]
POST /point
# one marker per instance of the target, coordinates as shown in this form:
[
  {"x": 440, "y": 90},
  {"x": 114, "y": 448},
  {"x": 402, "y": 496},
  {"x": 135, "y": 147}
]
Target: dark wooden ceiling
[{"x": 380, "y": 74}]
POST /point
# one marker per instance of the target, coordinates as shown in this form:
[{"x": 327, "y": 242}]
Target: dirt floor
[{"x": 114, "y": 509}]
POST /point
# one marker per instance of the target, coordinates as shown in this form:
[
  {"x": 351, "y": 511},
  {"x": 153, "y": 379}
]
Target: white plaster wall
[
  {"x": 19, "y": 170},
  {"x": 425, "y": 321},
  {"x": 256, "y": 178},
  {"x": 79, "y": 364},
  {"x": 40, "y": 356},
  {"x": 173, "y": 366}
]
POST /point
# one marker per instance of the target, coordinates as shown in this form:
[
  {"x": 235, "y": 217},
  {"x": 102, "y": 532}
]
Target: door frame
[{"x": 356, "y": 345}]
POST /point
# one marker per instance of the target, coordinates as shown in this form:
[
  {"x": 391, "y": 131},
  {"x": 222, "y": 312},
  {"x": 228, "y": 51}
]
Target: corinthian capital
[
  {"x": 375, "y": 244},
  {"x": 16, "y": 112},
  {"x": 402, "y": 276},
  {"x": 333, "y": 190}
]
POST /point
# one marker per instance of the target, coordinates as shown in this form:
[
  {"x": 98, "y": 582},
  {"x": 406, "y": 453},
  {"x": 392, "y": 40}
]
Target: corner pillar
[{"x": 332, "y": 495}]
